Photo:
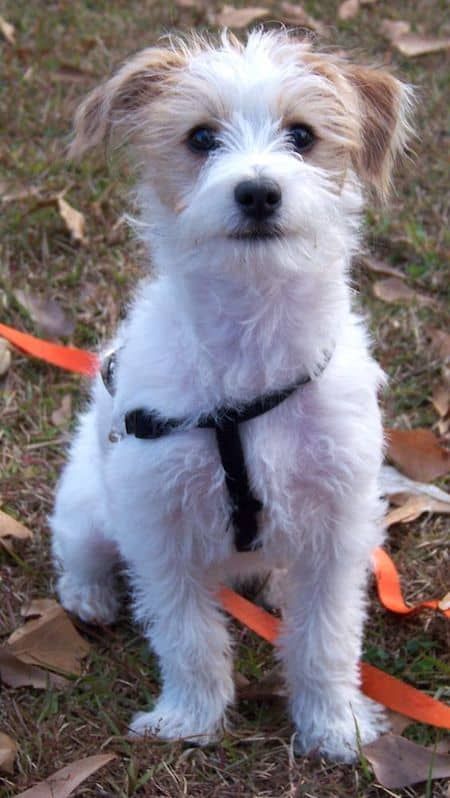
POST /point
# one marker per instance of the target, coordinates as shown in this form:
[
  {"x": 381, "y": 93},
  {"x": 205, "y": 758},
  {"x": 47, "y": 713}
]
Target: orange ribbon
[{"x": 378, "y": 685}]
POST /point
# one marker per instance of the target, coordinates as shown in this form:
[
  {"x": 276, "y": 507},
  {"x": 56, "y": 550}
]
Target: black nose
[{"x": 258, "y": 199}]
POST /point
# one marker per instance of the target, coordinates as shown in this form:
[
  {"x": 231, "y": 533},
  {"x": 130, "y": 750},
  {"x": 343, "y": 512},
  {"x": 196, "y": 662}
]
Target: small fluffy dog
[{"x": 237, "y": 428}]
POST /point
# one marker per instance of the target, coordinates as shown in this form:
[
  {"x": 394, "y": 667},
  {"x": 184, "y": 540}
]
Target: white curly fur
[{"x": 224, "y": 321}]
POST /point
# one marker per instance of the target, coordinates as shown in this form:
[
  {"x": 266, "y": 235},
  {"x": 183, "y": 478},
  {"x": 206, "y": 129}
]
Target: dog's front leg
[
  {"x": 187, "y": 631},
  {"x": 321, "y": 648}
]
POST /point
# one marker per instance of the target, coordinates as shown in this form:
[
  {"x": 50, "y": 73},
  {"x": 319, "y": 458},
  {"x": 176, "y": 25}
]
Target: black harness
[{"x": 149, "y": 425}]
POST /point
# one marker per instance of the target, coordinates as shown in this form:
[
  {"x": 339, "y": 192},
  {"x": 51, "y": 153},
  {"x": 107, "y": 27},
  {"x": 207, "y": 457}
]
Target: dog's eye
[
  {"x": 302, "y": 137},
  {"x": 202, "y": 139}
]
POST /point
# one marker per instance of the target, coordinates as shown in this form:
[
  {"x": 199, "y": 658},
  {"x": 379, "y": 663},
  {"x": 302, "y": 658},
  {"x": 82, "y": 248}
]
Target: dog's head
[{"x": 247, "y": 144}]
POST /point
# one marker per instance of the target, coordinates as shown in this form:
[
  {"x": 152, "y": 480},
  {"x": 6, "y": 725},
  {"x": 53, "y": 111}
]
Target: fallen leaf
[
  {"x": 418, "y": 453},
  {"x": 62, "y": 783},
  {"x": 38, "y": 607},
  {"x": 16, "y": 673},
  {"x": 380, "y": 266},
  {"x": 348, "y": 9},
  {"x": 231, "y": 17},
  {"x": 397, "y": 722},
  {"x": 10, "y": 528},
  {"x": 397, "y": 762},
  {"x": 441, "y": 399},
  {"x": 440, "y": 342},
  {"x": 8, "y": 752},
  {"x": 5, "y": 357},
  {"x": 395, "y": 485},
  {"x": 394, "y": 290},
  {"x": 272, "y": 685},
  {"x": 29, "y": 192},
  {"x": 413, "y": 44},
  {"x": 414, "y": 507},
  {"x": 63, "y": 413},
  {"x": 74, "y": 220},
  {"x": 8, "y": 30},
  {"x": 296, "y": 15},
  {"x": 50, "y": 641},
  {"x": 46, "y": 313},
  {"x": 394, "y": 29}
]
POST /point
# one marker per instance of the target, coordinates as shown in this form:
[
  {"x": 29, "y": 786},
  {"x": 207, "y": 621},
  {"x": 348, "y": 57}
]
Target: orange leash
[{"x": 375, "y": 683}]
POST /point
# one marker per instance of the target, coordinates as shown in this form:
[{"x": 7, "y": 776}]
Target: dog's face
[{"x": 249, "y": 145}]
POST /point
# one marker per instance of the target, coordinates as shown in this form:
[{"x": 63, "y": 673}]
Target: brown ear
[
  {"x": 384, "y": 109},
  {"x": 118, "y": 101}
]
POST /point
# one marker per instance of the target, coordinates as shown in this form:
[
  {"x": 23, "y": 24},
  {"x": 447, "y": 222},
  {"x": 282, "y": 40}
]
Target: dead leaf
[
  {"x": 231, "y": 17},
  {"x": 397, "y": 722},
  {"x": 8, "y": 752},
  {"x": 440, "y": 342},
  {"x": 8, "y": 31},
  {"x": 441, "y": 399},
  {"x": 63, "y": 413},
  {"x": 295, "y": 14},
  {"x": 38, "y": 607},
  {"x": 394, "y": 29},
  {"x": 16, "y": 673},
  {"x": 413, "y": 44},
  {"x": 62, "y": 783},
  {"x": 380, "y": 267},
  {"x": 74, "y": 220},
  {"x": 46, "y": 313},
  {"x": 348, "y": 9},
  {"x": 418, "y": 453},
  {"x": 10, "y": 528},
  {"x": 395, "y": 484},
  {"x": 414, "y": 507},
  {"x": 271, "y": 686},
  {"x": 29, "y": 192},
  {"x": 50, "y": 641},
  {"x": 5, "y": 357},
  {"x": 397, "y": 762},
  {"x": 394, "y": 290}
]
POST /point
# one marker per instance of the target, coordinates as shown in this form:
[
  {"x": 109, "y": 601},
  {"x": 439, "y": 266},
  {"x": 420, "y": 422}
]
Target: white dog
[{"x": 240, "y": 430}]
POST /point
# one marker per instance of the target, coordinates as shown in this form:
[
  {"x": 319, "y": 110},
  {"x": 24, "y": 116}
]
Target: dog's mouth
[{"x": 257, "y": 233}]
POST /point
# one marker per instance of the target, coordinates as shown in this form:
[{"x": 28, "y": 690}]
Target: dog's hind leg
[{"x": 83, "y": 554}]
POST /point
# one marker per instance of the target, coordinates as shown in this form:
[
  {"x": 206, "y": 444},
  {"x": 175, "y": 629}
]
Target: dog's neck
[{"x": 261, "y": 328}]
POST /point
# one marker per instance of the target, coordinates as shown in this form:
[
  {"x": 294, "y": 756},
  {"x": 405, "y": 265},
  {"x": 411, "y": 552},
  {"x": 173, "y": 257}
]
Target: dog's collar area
[{"x": 149, "y": 425}]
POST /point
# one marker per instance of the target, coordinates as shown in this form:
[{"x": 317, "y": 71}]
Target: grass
[{"x": 61, "y": 50}]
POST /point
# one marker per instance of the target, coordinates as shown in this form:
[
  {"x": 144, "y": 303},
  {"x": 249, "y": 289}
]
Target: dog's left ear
[{"x": 384, "y": 108}]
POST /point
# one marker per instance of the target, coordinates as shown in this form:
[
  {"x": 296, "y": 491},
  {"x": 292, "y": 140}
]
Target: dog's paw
[
  {"x": 338, "y": 735},
  {"x": 93, "y": 603},
  {"x": 175, "y": 724}
]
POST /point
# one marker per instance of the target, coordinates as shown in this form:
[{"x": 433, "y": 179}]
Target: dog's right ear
[{"x": 118, "y": 103}]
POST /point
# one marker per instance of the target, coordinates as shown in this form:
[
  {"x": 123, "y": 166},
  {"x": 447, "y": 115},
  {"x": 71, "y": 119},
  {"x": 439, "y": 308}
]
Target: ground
[{"x": 61, "y": 50}]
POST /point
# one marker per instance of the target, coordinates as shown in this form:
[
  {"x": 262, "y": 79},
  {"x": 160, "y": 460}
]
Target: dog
[{"x": 236, "y": 427}]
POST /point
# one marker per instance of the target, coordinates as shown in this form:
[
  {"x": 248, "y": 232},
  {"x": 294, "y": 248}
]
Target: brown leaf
[
  {"x": 74, "y": 220},
  {"x": 380, "y": 267},
  {"x": 413, "y": 508},
  {"x": 5, "y": 357},
  {"x": 397, "y": 722},
  {"x": 398, "y": 762},
  {"x": 46, "y": 313},
  {"x": 418, "y": 453},
  {"x": 441, "y": 399},
  {"x": 413, "y": 44},
  {"x": 8, "y": 30},
  {"x": 10, "y": 528},
  {"x": 272, "y": 685},
  {"x": 394, "y": 290},
  {"x": 8, "y": 752},
  {"x": 63, "y": 413},
  {"x": 440, "y": 342},
  {"x": 38, "y": 607},
  {"x": 394, "y": 29},
  {"x": 231, "y": 17},
  {"x": 16, "y": 673},
  {"x": 295, "y": 14},
  {"x": 51, "y": 641},
  {"x": 348, "y": 9},
  {"x": 62, "y": 783}
]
